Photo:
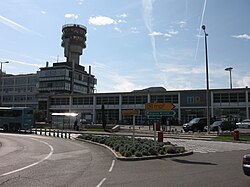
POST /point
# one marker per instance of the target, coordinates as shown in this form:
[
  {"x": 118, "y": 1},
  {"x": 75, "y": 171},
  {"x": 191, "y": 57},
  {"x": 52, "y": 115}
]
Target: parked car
[
  {"x": 83, "y": 121},
  {"x": 246, "y": 164},
  {"x": 244, "y": 124},
  {"x": 196, "y": 124},
  {"x": 222, "y": 125}
]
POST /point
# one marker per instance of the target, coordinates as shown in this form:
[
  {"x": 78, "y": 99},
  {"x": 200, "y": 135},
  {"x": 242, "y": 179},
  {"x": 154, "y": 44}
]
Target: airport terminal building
[{"x": 69, "y": 87}]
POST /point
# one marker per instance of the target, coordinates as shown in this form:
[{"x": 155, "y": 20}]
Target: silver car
[{"x": 244, "y": 124}]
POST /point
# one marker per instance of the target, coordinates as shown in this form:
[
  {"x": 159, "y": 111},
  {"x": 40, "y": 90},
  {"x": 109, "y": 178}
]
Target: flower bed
[{"x": 142, "y": 147}]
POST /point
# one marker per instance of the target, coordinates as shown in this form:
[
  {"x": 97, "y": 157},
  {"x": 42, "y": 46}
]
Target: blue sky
[{"x": 133, "y": 44}]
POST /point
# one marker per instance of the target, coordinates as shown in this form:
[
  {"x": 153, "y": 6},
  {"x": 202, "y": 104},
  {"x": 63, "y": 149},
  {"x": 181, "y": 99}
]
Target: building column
[
  {"x": 120, "y": 107},
  {"x": 94, "y": 108},
  {"x": 179, "y": 108},
  {"x": 247, "y": 104},
  {"x": 212, "y": 103}
]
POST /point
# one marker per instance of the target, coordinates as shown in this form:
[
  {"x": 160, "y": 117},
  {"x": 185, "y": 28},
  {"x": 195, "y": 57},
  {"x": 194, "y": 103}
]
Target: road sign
[
  {"x": 159, "y": 106},
  {"x": 161, "y": 113},
  {"x": 130, "y": 112}
]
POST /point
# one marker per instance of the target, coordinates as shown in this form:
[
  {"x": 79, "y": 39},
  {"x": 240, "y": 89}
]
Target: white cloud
[
  {"x": 242, "y": 36},
  {"x": 117, "y": 29},
  {"x": 72, "y": 16},
  {"x": 173, "y": 32},
  {"x": 13, "y": 24},
  {"x": 154, "y": 33},
  {"x": 134, "y": 30},
  {"x": 80, "y": 2},
  {"x": 121, "y": 21},
  {"x": 182, "y": 24},
  {"x": 168, "y": 35},
  {"x": 101, "y": 20},
  {"x": 43, "y": 12},
  {"x": 122, "y": 15},
  {"x": 245, "y": 81}
]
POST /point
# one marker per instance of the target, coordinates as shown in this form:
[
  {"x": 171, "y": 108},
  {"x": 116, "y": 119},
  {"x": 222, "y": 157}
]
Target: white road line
[
  {"x": 112, "y": 165},
  {"x": 31, "y": 165},
  {"x": 100, "y": 183}
]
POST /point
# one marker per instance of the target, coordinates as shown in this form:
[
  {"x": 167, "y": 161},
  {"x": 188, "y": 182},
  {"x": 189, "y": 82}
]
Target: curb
[{"x": 118, "y": 157}]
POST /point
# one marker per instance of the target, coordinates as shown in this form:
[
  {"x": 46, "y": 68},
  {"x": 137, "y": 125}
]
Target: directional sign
[
  {"x": 159, "y": 106},
  {"x": 130, "y": 112},
  {"x": 161, "y": 113}
]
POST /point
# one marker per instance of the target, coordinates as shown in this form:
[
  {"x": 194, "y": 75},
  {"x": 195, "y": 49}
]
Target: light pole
[
  {"x": 2, "y": 80},
  {"x": 207, "y": 92},
  {"x": 230, "y": 76}
]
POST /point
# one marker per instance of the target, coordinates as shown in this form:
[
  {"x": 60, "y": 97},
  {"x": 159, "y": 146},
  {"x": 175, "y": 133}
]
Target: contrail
[
  {"x": 202, "y": 16},
  {"x": 148, "y": 8}
]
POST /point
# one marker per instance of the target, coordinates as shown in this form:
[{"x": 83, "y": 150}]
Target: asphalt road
[{"x": 32, "y": 160}]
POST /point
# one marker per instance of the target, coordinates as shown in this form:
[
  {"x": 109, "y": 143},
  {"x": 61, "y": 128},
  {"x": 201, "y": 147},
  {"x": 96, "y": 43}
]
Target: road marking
[
  {"x": 31, "y": 165},
  {"x": 112, "y": 165},
  {"x": 100, "y": 183}
]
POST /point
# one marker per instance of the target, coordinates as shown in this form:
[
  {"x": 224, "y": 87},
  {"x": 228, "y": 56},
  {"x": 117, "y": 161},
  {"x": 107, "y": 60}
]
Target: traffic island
[{"x": 125, "y": 148}]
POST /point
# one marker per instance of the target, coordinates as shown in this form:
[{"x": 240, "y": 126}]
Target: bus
[{"x": 16, "y": 118}]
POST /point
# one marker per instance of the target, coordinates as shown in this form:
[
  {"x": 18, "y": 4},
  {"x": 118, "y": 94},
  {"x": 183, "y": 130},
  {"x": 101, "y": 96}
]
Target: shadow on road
[{"x": 192, "y": 162}]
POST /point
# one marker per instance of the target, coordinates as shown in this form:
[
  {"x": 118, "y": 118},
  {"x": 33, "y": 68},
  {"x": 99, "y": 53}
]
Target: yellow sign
[
  {"x": 130, "y": 112},
  {"x": 159, "y": 106}
]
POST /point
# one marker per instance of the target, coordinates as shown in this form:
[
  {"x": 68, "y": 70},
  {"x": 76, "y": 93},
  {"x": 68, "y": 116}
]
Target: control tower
[{"x": 73, "y": 41}]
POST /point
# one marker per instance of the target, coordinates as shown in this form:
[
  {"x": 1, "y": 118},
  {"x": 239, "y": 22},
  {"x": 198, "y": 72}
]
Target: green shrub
[
  {"x": 138, "y": 154},
  {"x": 145, "y": 152},
  {"x": 153, "y": 151},
  {"x": 162, "y": 152},
  {"x": 171, "y": 150},
  {"x": 128, "y": 154},
  {"x": 132, "y": 150}
]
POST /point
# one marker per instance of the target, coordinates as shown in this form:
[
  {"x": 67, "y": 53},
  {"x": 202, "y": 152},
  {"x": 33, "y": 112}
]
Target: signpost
[
  {"x": 159, "y": 106},
  {"x": 131, "y": 113},
  {"x": 156, "y": 110}
]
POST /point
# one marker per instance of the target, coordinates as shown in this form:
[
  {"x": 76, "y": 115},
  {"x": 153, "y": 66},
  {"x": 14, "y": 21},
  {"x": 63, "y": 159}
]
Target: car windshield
[
  {"x": 195, "y": 120},
  {"x": 217, "y": 123}
]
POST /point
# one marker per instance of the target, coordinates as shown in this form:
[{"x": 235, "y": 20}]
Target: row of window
[
  {"x": 229, "y": 97},
  {"x": 19, "y": 98},
  {"x": 83, "y": 101},
  {"x": 20, "y": 80},
  {"x": 59, "y": 101},
  {"x": 19, "y": 89}
]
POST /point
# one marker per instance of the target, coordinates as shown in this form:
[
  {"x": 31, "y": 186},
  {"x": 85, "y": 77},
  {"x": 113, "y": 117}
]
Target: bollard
[
  {"x": 49, "y": 132},
  {"x": 69, "y": 135},
  {"x": 30, "y": 131},
  {"x": 54, "y": 134},
  {"x": 236, "y": 135},
  {"x": 61, "y": 134},
  {"x": 45, "y": 132},
  {"x": 57, "y": 133},
  {"x": 65, "y": 135},
  {"x": 40, "y": 131},
  {"x": 160, "y": 136},
  {"x": 35, "y": 130}
]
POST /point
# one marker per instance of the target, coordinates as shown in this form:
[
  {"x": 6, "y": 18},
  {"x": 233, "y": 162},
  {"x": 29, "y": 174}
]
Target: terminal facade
[{"x": 69, "y": 87}]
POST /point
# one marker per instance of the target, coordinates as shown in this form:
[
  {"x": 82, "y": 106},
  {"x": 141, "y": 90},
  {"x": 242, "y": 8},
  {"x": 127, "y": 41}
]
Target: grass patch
[
  {"x": 231, "y": 137},
  {"x": 95, "y": 129}
]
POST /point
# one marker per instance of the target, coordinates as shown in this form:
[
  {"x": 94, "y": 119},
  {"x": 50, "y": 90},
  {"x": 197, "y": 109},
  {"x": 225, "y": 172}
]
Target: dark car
[
  {"x": 246, "y": 164},
  {"x": 196, "y": 124},
  {"x": 222, "y": 125}
]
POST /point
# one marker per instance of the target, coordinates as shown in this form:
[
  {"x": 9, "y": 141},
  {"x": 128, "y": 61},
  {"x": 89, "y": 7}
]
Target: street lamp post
[
  {"x": 230, "y": 76},
  {"x": 2, "y": 79},
  {"x": 207, "y": 92}
]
